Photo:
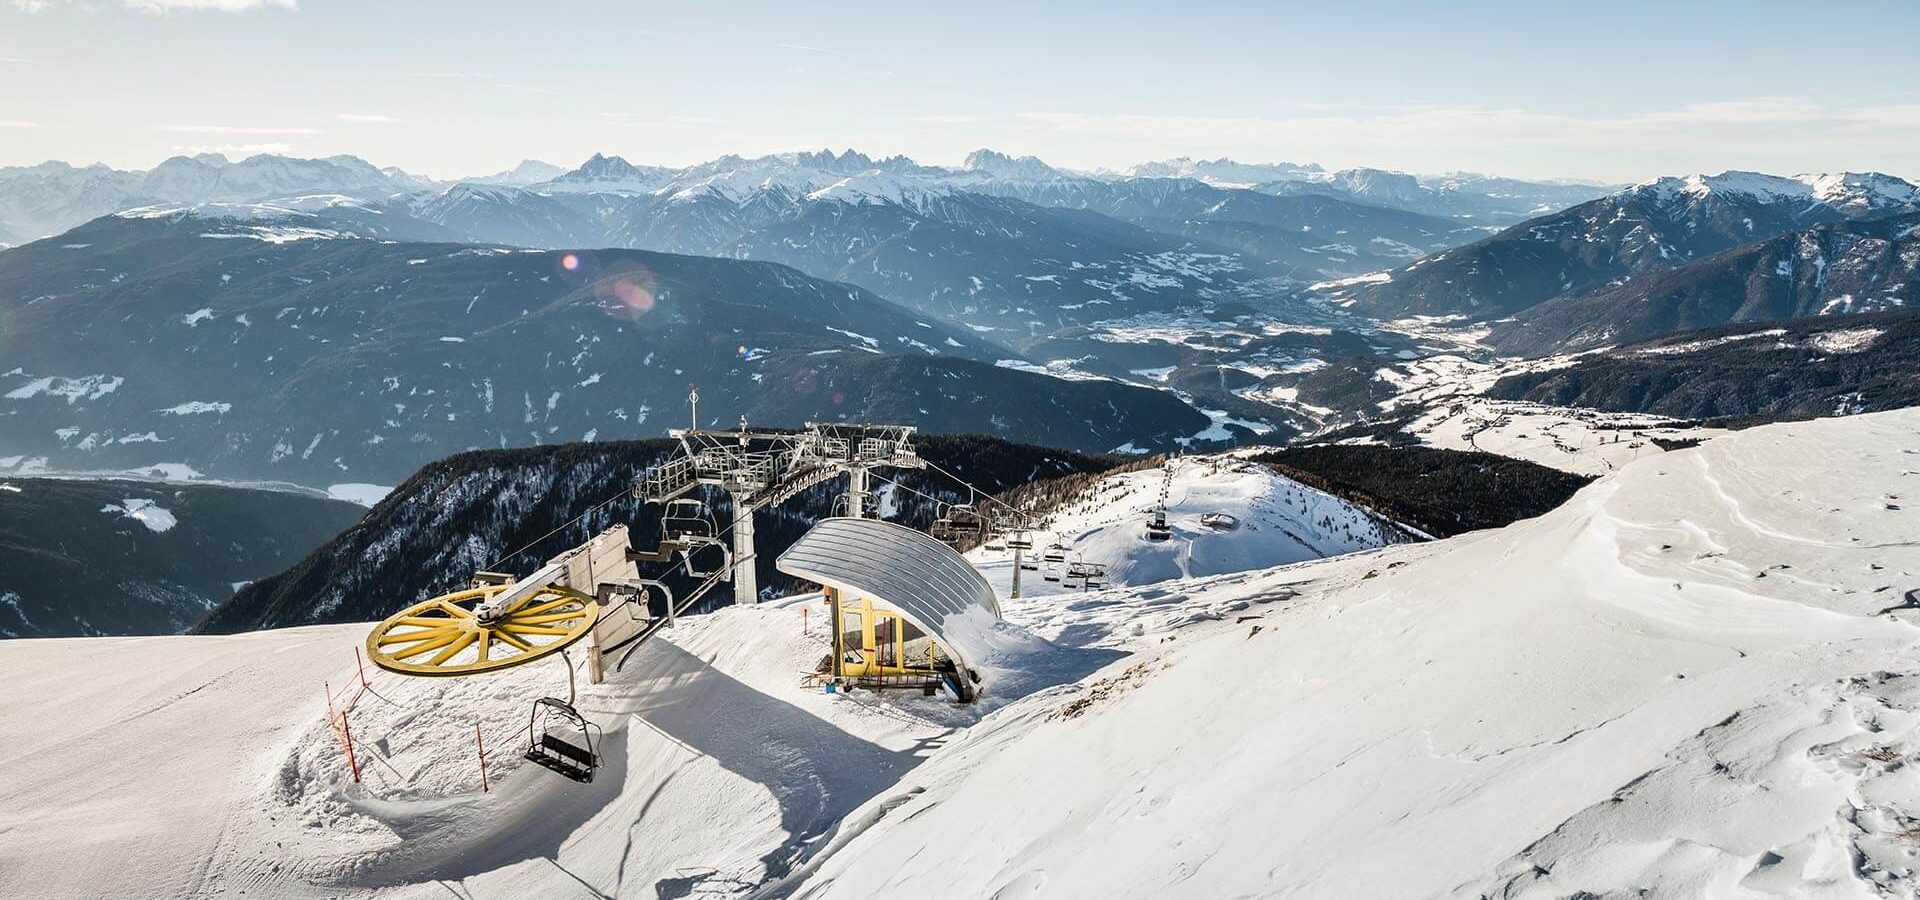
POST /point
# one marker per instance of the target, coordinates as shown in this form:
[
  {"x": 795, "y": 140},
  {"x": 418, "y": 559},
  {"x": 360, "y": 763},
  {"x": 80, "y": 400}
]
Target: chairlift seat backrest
[
  {"x": 551, "y": 751},
  {"x": 687, "y": 518}
]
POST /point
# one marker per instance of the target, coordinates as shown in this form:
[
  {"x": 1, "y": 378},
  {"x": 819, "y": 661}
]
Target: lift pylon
[{"x": 762, "y": 468}]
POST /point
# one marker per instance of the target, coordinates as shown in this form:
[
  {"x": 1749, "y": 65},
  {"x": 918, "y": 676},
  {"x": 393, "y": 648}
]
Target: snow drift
[{"x": 1696, "y": 679}]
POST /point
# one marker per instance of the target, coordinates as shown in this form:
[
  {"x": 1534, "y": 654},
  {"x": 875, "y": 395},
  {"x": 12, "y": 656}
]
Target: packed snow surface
[
  {"x": 1277, "y": 521},
  {"x": 1697, "y": 678}
]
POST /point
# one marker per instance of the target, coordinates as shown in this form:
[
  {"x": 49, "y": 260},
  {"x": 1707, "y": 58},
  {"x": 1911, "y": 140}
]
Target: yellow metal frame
[
  {"x": 442, "y": 636},
  {"x": 870, "y": 666}
]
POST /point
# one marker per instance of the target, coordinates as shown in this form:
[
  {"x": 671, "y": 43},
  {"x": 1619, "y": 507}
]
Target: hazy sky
[{"x": 1609, "y": 90}]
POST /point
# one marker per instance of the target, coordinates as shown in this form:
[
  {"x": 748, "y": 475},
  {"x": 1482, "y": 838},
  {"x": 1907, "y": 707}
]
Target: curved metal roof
[{"x": 922, "y": 578}]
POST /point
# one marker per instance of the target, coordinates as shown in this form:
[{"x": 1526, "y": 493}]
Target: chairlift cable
[{"x": 562, "y": 527}]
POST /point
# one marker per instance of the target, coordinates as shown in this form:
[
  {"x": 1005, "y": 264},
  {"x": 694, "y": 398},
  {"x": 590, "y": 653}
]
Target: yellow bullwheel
[{"x": 446, "y": 636}]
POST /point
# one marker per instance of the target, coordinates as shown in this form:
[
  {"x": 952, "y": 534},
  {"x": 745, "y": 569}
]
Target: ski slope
[
  {"x": 1698, "y": 678},
  {"x": 1279, "y": 522}
]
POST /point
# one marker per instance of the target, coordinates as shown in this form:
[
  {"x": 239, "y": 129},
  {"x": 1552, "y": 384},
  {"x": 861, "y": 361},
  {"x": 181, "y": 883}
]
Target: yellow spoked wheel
[{"x": 442, "y": 636}]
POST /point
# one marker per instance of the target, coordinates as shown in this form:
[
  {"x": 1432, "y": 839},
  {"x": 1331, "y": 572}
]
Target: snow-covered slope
[
  {"x": 723, "y": 771},
  {"x": 1697, "y": 679},
  {"x": 1278, "y": 521}
]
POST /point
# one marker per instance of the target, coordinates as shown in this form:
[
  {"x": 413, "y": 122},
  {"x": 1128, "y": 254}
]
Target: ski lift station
[{"x": 907, "y": 610}]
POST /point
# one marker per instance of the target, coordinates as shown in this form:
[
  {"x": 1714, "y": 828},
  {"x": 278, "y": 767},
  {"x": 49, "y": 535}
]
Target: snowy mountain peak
[
  {"x": 1846, "y": 191},
  {"x": 1224, "y": 171},
  {"x": 876, "y": 187},
  {"x": 1000, "y": 165},
  {"x": 211, "y": 177},
  {"x": 1378, "y": 183},
  {"x": 1865, "y": 190},
  {"x": 850, "y": 162},
  {"x": 614, "y": 175}
]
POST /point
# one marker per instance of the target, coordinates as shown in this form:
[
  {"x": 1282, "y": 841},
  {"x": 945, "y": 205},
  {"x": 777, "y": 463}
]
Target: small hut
[{"x": 907, "y": 610}]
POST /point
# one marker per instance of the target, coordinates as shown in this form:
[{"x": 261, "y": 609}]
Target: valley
[{"x": 1275, "y": 478}]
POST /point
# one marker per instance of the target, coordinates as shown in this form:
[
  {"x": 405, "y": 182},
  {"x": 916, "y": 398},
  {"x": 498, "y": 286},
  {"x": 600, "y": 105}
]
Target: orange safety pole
[
  {"x": 346, "y": 728},
  {"x": 483, "y": 757},
  {"x": 360, "y": 665},
  {"x": 803, "y": 621}
]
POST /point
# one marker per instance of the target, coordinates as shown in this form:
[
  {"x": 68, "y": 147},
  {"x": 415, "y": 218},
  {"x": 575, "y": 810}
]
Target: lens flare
[
  {"x": 632, "y": 295},
  {"x": 570, "y": 262}
]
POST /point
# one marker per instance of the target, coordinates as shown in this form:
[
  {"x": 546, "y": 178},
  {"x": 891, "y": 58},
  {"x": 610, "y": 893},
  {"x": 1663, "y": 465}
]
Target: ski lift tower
[{"x": 762, "y": 468}]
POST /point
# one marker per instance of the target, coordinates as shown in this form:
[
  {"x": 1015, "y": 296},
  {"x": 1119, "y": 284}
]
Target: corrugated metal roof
[{"x": 922, "y": 578}]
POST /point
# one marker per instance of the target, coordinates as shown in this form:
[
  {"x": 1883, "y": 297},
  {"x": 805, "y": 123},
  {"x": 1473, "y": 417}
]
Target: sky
[{"x": 1618, "y": 91}]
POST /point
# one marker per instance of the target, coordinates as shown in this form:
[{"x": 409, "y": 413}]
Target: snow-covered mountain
[
  {"x": 36, "y": 201},
  {"x": 611, "y": 174},
  {"x": 118, "y": 557},
  {"x": 997, "y": 165},
  {"x": 994, "y": 262},
  {"x": 212, "y": 177},
  {"x": 527, "y": 172},
  {"x": 1471, "y": 197},
  {"x": 1639, "y": 230},
  {"x": 1683, "y": 649},
  {"x": 294, "y": 349},
  {"x": 1795, "y": 368},
  {"x": 1224, "y": 172},
  {"x": 1840, "y": 268},
  {"x": 42, "y": 200}
]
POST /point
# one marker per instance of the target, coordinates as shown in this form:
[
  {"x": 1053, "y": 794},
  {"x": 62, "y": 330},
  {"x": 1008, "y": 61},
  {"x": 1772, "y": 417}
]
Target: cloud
[
  {"x": 16, "y": 123},
  {"x": 947, "y": 120},
  {"x": 162, "y": 7},
  {"x": 366, "y": 118},
  {"x": 237, "y": 130},
  {"x": 237, "y": 151},
  {"x": 166, "y": 6}
]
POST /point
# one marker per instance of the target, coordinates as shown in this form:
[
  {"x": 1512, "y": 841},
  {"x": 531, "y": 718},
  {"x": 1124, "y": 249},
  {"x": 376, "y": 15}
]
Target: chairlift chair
[
  {"x": 1019, "y": 542},
  {"x": 705, "y": 559},
  {"x": 1090, "y": 574},
  {"x": 560, "y": 739},
  {"x": 963, "y": 518},
  {"x": 687, "y": 519}
]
